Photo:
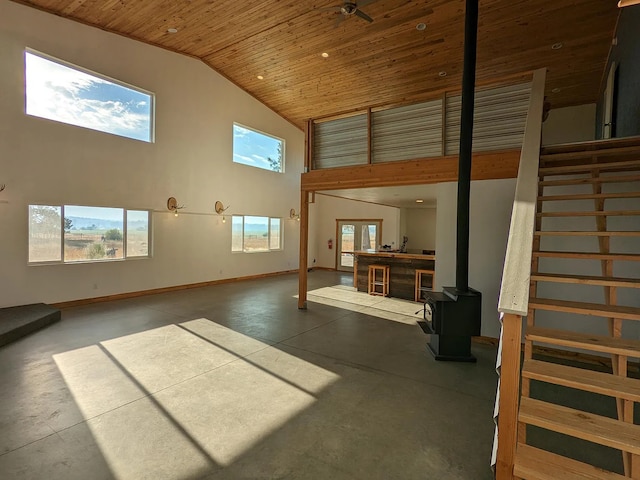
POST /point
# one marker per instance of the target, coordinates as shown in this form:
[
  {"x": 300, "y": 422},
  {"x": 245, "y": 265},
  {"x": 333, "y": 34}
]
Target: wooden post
[
  {"x": 509, "y": 395},
  {"x": 304, "y": 249}
]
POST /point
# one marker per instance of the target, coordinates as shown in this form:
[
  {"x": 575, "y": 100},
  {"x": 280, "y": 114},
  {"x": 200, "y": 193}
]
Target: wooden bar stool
[
  {"x": 419, "y": 287},
  {"x": 375, "y": 282}
]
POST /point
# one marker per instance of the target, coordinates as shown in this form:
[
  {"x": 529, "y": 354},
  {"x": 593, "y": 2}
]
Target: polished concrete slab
[{"x": 234, "y": 382}]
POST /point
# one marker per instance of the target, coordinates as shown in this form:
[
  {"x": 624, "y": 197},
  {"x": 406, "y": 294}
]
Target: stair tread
[
  {"x": 592, "y": 213},
  {"x": 586, "y": 279},
  {"x": 592, "y": 146},
  {"x": 584, "y": 181},
  {"x": 589, "y": 167},
  {"x": 583, "y": 379},
  {"x": 586, "y": 341},
  {"x": 535, "y": 464},
  {"x": 585, "y": 308},
  {"x": 588, "y": 255},
  {"x": 581, "y": 233},
  {"x": 576, "y": 423},
  {"x": 589, "y": 196}
]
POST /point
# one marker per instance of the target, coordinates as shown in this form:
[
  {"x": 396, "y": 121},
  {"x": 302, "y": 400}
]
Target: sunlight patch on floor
[
  {"x": 175, "y": 401},
  {"x": 395, "y": 309}
]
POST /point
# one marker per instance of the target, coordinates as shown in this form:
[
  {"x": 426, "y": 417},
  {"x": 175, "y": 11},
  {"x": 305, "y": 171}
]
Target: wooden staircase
[{"x": 584, "y": 296}]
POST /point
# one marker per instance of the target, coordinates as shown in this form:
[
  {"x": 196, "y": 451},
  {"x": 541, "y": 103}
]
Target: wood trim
[
  {"x": 443, "y": 140},
  {"x": 509, "y": 395},
  {"x": 308, "y": 146},
  {"x": 156, "y": 291},
  {"x": 369, "y": 137},
  {"x": 486, "y": 166}
]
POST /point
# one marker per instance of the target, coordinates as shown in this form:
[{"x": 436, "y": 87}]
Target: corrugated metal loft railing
[{"x": 428, "y": 129}]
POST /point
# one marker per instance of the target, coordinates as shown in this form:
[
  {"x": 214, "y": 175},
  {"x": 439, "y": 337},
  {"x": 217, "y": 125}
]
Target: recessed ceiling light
[
  {"x": 556, "y": 46},
  {"x": 172, "y": 30},
  {"x": 419, "y": 200},
  {"x": 555, "y": 90},
  {"x": 324, "y": 55},
  {"x": 421, "y": 26},
  {"x": 260, "y": 77},
  {"x": 442, "y": 74}
]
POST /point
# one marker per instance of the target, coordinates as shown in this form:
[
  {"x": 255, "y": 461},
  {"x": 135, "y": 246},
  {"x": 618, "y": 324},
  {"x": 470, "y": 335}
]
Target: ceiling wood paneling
[{"x": 370, "y": 64}]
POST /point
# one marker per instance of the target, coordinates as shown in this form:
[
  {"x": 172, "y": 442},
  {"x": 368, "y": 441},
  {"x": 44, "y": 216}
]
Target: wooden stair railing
[{"x": 562, "y": 258}]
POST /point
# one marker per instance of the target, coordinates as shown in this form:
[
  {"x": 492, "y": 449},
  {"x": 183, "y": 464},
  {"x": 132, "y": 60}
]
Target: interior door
[{"x": 354, "y": 235}]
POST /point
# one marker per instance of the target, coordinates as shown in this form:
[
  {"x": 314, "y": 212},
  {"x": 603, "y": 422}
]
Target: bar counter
[{"x": 403, "y": 267}]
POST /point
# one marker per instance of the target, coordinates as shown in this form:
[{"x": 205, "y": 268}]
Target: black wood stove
[{"x": 455, "y": 318}]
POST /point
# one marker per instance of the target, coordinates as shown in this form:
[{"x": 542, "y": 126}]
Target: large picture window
[
  {"x": 73, "y": 233},
  {"x": 255, "y": 234},
  {"x": 257, "y": 149},
  {"x": 58, "y": 91}
]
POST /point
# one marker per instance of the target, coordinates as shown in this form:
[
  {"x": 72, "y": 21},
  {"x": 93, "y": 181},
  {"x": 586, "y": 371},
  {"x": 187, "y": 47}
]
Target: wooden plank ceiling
[{"x": 385, "y": 62}]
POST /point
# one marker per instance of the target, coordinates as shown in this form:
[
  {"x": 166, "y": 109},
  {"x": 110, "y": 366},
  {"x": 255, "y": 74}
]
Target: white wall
[
  {"x": 490, "y": 214},
  {"x": 420, "y": 227},
  {"x": 327, "y": 209},
  {"x": 570, "y": 124},
  {"x": 51, "y": 163}
]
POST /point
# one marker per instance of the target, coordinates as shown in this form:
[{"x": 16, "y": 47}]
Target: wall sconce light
[
  {"x": 293, "y": 215},
  {"x": 627, "y": 3},
  {"x": 172, "y": 205},
  {"x": 219, "y": 207}
]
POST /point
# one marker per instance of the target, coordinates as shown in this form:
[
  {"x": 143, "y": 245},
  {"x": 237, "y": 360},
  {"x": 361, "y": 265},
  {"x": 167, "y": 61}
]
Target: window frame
[
  {"x": 269, "y": 219},
  {"x": 265, "y": 134},
  {"x": 62, "y": 261},
  {"x": 152, "y": 97}
]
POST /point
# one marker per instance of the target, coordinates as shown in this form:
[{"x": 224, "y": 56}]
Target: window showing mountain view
[
  {"x": 73, "y": 233},
  {"x": 58, "y": 91},
  {"x": 257, "y": 149},
  {"x": 255, "y": 234}
]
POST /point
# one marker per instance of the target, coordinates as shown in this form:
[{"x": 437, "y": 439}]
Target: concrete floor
[{"x": 234, "y": 382}]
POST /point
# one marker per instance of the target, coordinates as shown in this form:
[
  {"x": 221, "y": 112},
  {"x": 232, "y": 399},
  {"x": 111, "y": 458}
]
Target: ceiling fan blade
[
  {"x": 361, "y": 14},
  {"x": 364, "y": 3}
]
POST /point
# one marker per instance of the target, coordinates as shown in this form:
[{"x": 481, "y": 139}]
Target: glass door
[{"x": 353, "y": 236}]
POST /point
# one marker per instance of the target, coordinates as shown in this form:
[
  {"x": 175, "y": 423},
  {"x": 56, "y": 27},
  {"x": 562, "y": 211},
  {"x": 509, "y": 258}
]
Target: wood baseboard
[{"x": 155, "y": 291}]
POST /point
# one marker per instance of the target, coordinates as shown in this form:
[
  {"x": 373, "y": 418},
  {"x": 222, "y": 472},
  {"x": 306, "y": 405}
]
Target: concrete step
[{"x": 17, "y": 322}]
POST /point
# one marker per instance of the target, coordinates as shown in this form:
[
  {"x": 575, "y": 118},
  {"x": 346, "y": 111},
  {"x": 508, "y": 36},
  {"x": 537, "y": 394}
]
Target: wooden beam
[
  {"x": 486, "y": 166},
  {"x": 304, "y": 250}
]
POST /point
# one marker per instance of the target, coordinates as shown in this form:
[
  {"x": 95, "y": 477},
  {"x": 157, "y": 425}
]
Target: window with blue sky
[
  {"x": 63, "y": 93},
  {"x": 257, "y": 149}
]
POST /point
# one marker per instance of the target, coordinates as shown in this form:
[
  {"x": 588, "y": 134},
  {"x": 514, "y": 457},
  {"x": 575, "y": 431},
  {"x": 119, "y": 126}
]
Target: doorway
[
  {"x": 609, "y": 104},
  {"x": 355, "y": 235}
]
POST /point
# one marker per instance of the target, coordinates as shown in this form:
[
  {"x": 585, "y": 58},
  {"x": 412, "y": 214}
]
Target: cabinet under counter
[{"x": 402, "y": 266}]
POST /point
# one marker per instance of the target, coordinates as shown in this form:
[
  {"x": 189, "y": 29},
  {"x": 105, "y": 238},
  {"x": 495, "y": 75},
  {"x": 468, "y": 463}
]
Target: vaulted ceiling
[{"x": 388, "y": 61}]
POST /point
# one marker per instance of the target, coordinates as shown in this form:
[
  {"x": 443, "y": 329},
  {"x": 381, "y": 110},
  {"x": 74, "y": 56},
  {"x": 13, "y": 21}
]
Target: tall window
[
  {"x": 255, "y": 234},
  {"x": 257, "y": 149},
  {"x": 58, "y": 91},
  {"x": 73, "y": 233}
]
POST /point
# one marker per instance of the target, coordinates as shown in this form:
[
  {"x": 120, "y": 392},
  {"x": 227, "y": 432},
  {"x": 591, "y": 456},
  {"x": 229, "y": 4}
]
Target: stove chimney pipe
[{"x": 466, "y": 139}]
